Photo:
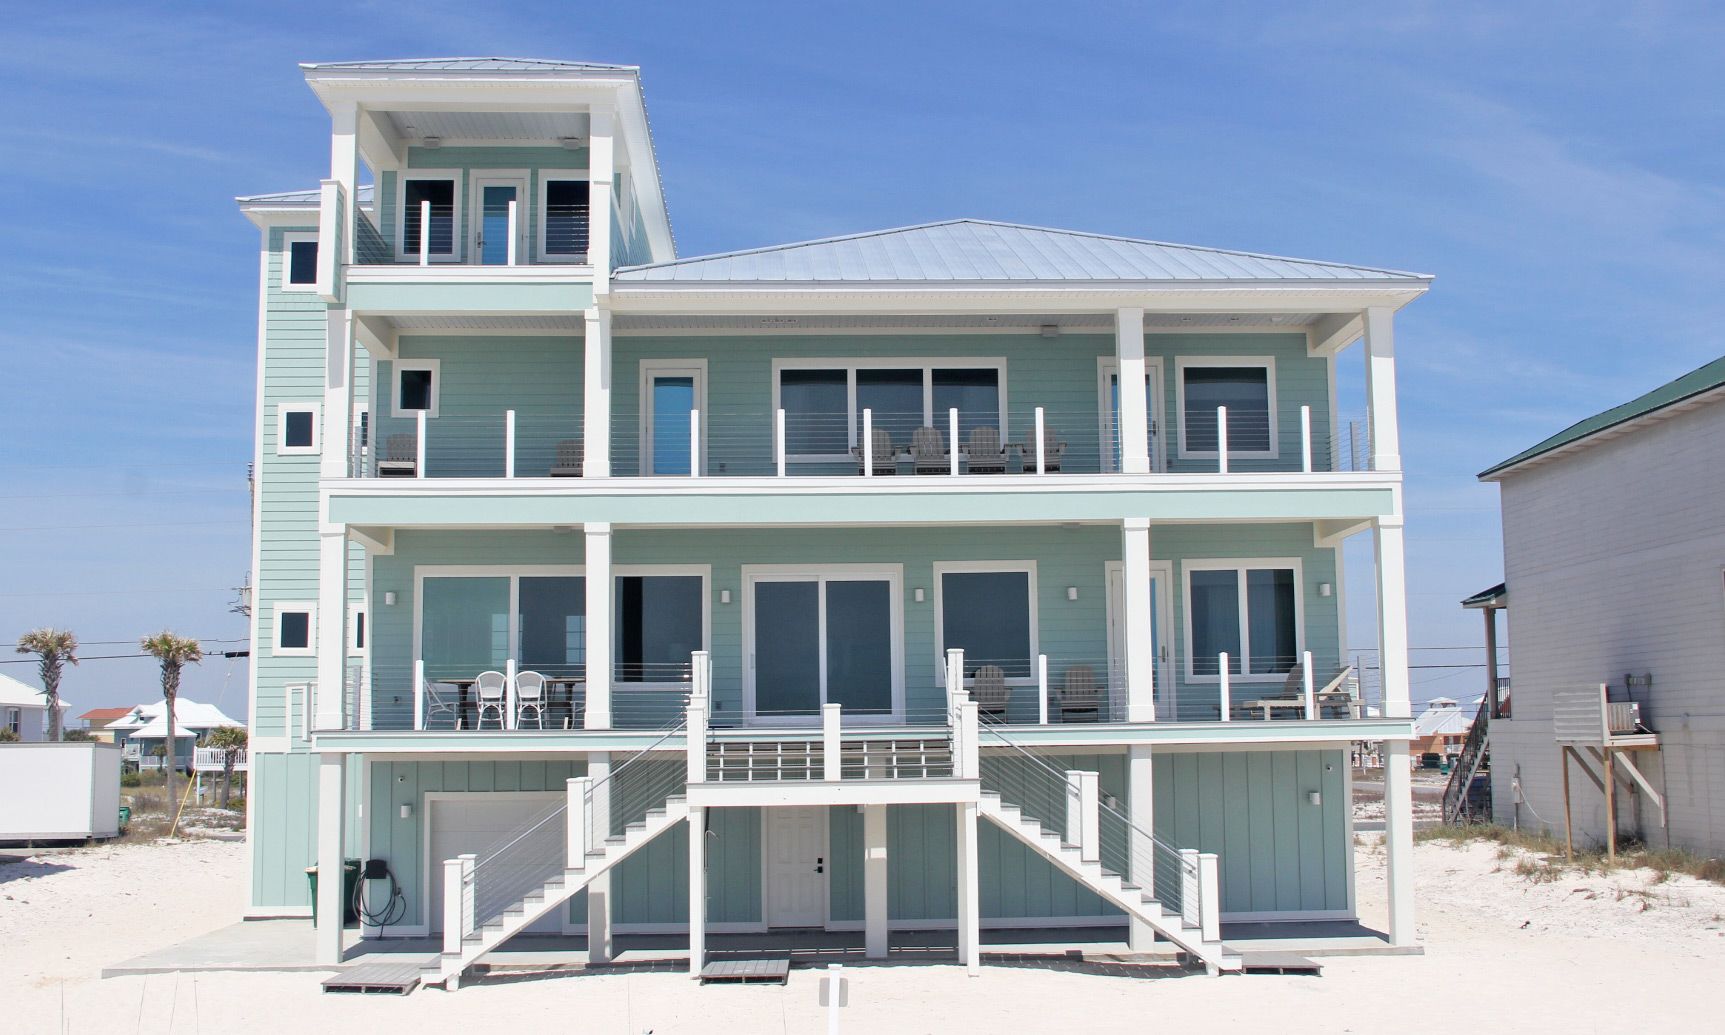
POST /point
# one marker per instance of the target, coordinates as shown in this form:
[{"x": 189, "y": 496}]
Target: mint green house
[{"x": 963, "y": 577}]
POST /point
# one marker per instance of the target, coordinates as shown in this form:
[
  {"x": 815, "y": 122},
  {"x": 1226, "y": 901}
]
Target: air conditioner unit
[{"x": 1623, "y": 716}]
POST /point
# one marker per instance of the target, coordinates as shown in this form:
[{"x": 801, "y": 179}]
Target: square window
[
  {"x": 416, "y": 387},
  {"x": 566, "y": 219},
  {"x": 1249, "y": 612},
  {"x": 302, "y": 262},
  {"x": 296, "y": 429},
  {"x": 988, "y": 614},
  {"x": 440, "y": 193},
  {"x": 293, "y": 629},
  {"x": 1246, "y": 387}
]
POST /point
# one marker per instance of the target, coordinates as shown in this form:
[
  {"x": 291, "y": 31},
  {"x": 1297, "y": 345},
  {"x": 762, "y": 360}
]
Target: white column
[
  {"x": 599, "y": 624},
  {"x": 1134, "y": 413},
  {"x": 832, "y": 734},
  {"x": 596, "y": 395},
  {"x": 697, "y": 890},
  {"x": 1381, "y": 389},
  {"x": 576, "y": 789},
  {"x": 969, "y": 898},
  {"x": 336, "y": 436},
  {"x": 601, "y": 166},
  {"x": 1392, "y": 617},
  {"x": 1141, "y": 810},
  {"x": 1139, "y": 652},
  {"x": 599, "y": 947},
  {"x": 874, "y": 882},
  {"x": 1399, "y": 841},
  {"x": 330, "y": 630},
  {"x": 331, "y": 823}
]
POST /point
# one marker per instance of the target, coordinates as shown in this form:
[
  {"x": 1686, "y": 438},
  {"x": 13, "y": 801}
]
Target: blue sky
[{"x": 1558, "y": 167}]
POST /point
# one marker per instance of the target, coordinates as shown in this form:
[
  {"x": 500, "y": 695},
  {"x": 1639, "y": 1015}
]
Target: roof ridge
[{"x": 563, "y": 62}]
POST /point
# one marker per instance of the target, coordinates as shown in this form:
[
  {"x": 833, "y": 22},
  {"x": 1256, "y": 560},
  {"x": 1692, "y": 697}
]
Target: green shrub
[{"x": 130, "y": 778}]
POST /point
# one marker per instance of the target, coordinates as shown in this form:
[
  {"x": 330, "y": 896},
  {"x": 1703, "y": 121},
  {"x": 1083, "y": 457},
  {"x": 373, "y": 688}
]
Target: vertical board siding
[{"x": 284, "y": 833}]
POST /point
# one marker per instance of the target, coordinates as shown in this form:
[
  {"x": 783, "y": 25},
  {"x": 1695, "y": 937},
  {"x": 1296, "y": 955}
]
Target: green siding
[{"x": 283, "y": 791}]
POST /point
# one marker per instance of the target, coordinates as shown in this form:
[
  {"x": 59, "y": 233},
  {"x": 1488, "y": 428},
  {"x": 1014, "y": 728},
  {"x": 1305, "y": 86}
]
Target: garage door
[{"x": 478, "y": 823}]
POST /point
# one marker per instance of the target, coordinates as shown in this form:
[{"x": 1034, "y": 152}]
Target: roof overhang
[
  {"x": 1606, "y": 434},
  {"x": 1488, "y": 599}
]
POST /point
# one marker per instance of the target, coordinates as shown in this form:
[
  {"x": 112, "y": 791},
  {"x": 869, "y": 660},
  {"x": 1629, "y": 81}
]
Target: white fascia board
[
  {"x": 649, "y": 189},
  {"x": 920, "y": 298},
  {"x": 434, "y": 91}
]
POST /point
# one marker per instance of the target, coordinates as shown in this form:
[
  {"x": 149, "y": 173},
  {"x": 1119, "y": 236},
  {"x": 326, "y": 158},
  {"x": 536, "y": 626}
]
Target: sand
[{"x": 1583, "y": 953}]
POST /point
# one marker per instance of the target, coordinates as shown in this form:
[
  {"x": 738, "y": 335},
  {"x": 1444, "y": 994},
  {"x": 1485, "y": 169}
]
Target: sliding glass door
[{"x": 821, "y": 638}]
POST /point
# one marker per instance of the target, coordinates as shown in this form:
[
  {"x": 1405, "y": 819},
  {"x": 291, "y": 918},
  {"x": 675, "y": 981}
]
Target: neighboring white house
[
  {"x": 142, "y": 731},
  {"x": 1614, "y": 551},
  {"x": 24, "y": 710}
]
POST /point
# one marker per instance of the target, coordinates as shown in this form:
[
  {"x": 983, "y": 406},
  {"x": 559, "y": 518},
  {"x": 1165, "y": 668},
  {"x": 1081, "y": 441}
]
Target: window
[
  {"x": 296, "y": 429},
  {"x": 15, "y": 719},
  {"x": 439, "y": 191},
  {"x": 564, "y": 204},
  {"x": 670, "y": 391},
  {"x": 1250, "y": 611},
  {"x": 294, "y": 629},
  {"x": 299, "y": 262},
  {"x": 659, "y": 624},
  {"x": 824, "y": 634},
  {"x": 824, "y": 401},
  {"x": 990, "y": 613},
  {"x": 1247, "y": 387},
  {"x": 416, "y": 387},
  {"x": 551, "y": 612},
  {"x": 356, "y": 628}
]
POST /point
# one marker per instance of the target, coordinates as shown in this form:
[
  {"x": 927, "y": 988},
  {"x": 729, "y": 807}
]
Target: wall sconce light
[
  {"x": 917, "y": 594},
  {"x": 1314, "y": 798},
  {"x": 1072, "y": 592},
  {"x": 1324, "y": 589},
  {"x": 406, "y": 811},
  {"x": 724, "y": 596},
  {"x": 389, "y": 597}
]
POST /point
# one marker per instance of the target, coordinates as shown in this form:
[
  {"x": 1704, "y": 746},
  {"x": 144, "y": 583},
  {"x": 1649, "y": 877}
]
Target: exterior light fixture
[
  {"x": 1324, "y": 589},
  {"x": 1072, "y": 592},
  {"x": 389, "y": 597},
  {"x": 917, "y": 593},
  {"x": 724, "y": 596},
  {"x": 1314, "y": 798}
]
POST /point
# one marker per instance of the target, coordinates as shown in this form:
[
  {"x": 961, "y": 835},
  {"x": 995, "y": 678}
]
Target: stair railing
[{"x": 1455, "y": 793}]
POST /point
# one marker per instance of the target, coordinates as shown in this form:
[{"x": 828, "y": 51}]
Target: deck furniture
[
  {"x": 492, "y": 688},
  {"x": 984, "y": 453},
  {"x": 442, "y": 699},
  {"x": 880, "y": 454},
  {"x": 1053, "y": 449},
  {"x": 400, "y": 457},
  {"x": 928, "y": 453},
  {"x": 569, "y": 459},
  {"x": 1081, "y": 694},
  {"x": 988, "y": 690},
  {"x": 1331, "y": 695},
  {"x": 529, "y": 694}
]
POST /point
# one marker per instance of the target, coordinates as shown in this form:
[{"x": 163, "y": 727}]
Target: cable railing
[
  {"x": 428, "y": 232},
  {"x": 505, "y": 444}
]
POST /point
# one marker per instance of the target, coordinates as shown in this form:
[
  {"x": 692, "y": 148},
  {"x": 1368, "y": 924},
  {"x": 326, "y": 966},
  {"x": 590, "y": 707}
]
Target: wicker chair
[
  {"x": 928, "y": 452},
  {"x": 569, "y": 459},
  {"x": 988, "y": 690},
  {"x": 491, "y": 687},
  {"x": 1081, "y": 694},
  {"x": 400, "y": 457},
  {"x": 1053, "y": 449},
  {"x": 984, "y": 453},
  {"x": 880, "y": 454},
  {"x": 529, "y": 693}
]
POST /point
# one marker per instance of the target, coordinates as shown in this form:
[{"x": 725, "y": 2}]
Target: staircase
[{"x": 1463, "y": 801}]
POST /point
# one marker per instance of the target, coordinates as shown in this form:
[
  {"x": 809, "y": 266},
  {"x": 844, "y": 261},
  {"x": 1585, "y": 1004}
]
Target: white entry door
[
  {"x": 477, "y": 823},
  {"x": 796, "y": 873}
]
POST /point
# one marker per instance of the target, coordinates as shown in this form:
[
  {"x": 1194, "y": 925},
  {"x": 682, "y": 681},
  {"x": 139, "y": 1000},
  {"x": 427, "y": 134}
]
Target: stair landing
[{"x": 747, "y": 971}]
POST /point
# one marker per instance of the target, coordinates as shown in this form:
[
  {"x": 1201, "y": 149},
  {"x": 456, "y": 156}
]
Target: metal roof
[
  {"x": 971, "y": 250},
  {"x": 480, "y": 65},
  {"x": 1496, "y": 596},
  {"x": 302, "y": 198},
  {"x": 1697, "y": 382}
]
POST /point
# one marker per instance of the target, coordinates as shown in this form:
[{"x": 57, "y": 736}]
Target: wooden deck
[
  {"x": 747, "y": 972},
  {"x": 376, "y": 979}
]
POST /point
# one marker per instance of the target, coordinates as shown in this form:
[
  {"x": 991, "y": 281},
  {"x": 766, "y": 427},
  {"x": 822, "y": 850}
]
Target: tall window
[
  {"x": 299, "y": 262},
  {"x": 1252, "y": 613},
  {"x": 987, "y": 614},
  {"x": 658, "y": 626},
  {"x": 816, "y": 405},
  {"x": 1246, "y": 388},
  {"x": 824, "y": 406},
  {"x": 565, "y": 207},
  {"x": 440, "y": 192}
]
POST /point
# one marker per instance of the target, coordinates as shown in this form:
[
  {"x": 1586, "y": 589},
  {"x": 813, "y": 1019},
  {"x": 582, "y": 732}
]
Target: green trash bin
[
  {"x": 125, "y": 817},
  {"x": 349, "y": 881}
]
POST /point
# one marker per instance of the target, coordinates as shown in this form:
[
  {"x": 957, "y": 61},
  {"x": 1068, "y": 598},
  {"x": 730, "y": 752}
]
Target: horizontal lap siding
[{"x": 1301, "y": 380}]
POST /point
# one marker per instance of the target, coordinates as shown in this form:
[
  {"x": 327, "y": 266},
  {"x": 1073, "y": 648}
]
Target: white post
[
  {"x": 1222, "y": 687},
  {"x": 419, "y": 444},
  {"x": 468, "y": 893},
  {"x": 1191, "y": 896},
  {"x": 510, "y": 708},
  {"x": 697, "y": 890},
  {"x": 1141, "y": 849},
  {"x": 331, "y": 826},
  {"x": 1392, "y": 617},
  {"x": 868, "y": 443},
  {"x": 1134, "y": 407},
  {"x": 779, "y": 441},
  {"x": 512, "y": 224},
  {"x": 577, "y": 815},
  {"x": 875, "y": 920},
  {"x": 694, "y": 443},
  {"x": 1399, "y": 841},
  {"x": 969, "y": 897},
  {"x": 600, "y": 601},
  {"x": 1042, "y": 689},
  {"x": 596, "y": 393},
  {"x": 835, "y": 983},
  {"x": 330, "y": 634},
  {"x": 830, "y": 759},
  {"x": 418, "y": 693},
  {"x": 1041, "y": 443},
  {"x": 1222, "y": 439},
  {"x": 509, "y": 440},
  {"x": 1306, "y": 439},
  {"x": 1140, "y": 656},
  {"x": 599, "y": 944},
  {"x": 970, "y": 766},
  {"x": 952, "y": 437},
  {"x": 1083, "y": 813},
  {"x": 697, "y": 726},
  {"x": 1306, "y": 678},
  {"x": 425, "y": 233},
  {"x": 1209, "y": 897},
  {"x": 954, "y": 680},
  {"x": 452, "y": 912},
  {"x": 1381, "y": 389},
  {"x": 602, "y": 167}
]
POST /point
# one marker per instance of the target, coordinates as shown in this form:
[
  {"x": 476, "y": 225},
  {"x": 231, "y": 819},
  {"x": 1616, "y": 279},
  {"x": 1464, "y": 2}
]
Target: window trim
[
  {"x": 289, "y": 239},
  {"x": 477, "y": 181},
  {"x": 851, "y": 364},
  {"x": 945, "y": 568},
  {"x": 15, "y": 720},
  {"x": 457, "y": 237},
  {"x": 293, "y": 607},
  {"x": 1107, "y": 368},
  {"x": 892, "y": 574},
  {"x": 1268, "y": 363},
  {"x": 1240, "y": 566},
  {"x": 650, "y": 368},
  {"x": 397, "y": 367},
  {"x": 282, "y": 411},
  {"x": 358, "y": 631},
  {"x": 542, "y": 193}
]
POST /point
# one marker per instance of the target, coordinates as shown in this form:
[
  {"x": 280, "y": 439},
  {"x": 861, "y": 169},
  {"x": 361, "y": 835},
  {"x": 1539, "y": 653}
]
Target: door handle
[{"x": 820, "y": 865}]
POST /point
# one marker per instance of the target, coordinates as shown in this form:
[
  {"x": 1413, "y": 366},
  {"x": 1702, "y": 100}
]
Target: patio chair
[
  {"x": 492, "y": 689},
  {"x": 1329, "y": 694},
  {"x": 442, "y": 699},
  {"x": 1081, "y": 694},
  {"x": 928, "y": 452},
  {"x": 984, "y": 453},
  {"x": 529, "y": 693},
  {"x": 400, "y": 457},
  {"x": 569, "y": 459},
  {"x": 1053, "y": 449},
  {"x": 988, "y": 690},
  {"x": 880, "y": 452}
]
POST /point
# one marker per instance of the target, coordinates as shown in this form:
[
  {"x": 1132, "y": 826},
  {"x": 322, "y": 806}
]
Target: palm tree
[
  {"x": 230, "y": 740},
  {"x": 54, "y": 649},
  {"x": 174, "y": 652}
]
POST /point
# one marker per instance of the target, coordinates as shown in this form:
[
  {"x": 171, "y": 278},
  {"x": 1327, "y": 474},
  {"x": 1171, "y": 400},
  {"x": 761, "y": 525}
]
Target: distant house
[
  {"x": 95, "y": 722},
  {"x": 24, "y": 710},
  {"x": 145, "y": 728},
  {"x": 1441, "y": 728}
]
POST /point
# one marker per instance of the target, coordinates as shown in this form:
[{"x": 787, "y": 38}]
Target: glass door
[
  {"x": 491, "y": 230},
  {"x": 1111, "y": 434},
  {"x": 823, "y": 639},
  {"x": 1161, "y": 617},
  {"x": 670, "y": 395}
]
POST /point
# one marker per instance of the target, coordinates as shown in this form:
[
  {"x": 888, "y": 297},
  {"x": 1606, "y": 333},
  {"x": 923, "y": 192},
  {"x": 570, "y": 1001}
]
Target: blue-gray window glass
[
  {"x": 566, "y": 218},
  {"x": 673, "y": 401},
  {"x": 464, "y": 626},
  {"x": 1245, "y": 391},
  {"x": 415, "y": 390},
  {"x": 815, "y": 405},
  {"x": 1215, "y": 603},
  {"x": 302, "y": 262},
  {"x": 441, "y": 194},
  {"x": 494, "y": 199},
  {"x": 553, "y": 622},
  {"x": 895, "y": 399},
  {"x": 787, "y": 648},
  {"x": 987, "y": 614},
  {"x": 859, "y": 646},
  {"x": 975, "y": 394},
  {"x": 1270, "y": 619},
  {"x": 359, "y": 631},
  {"x": 295, "y": 631},
  {"x": 658, "y": 627},
  {"x": 297, "y": 431}
]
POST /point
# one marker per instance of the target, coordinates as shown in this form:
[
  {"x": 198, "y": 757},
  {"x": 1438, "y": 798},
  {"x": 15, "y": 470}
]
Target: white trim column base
[
  {"x": 331, "y": 825},
  {"x": 1141, "y": 809},
  {"x": 876, "y": 924},
  {"x": 969, "y": 897},
  {"x": 1399, "y": 841}
]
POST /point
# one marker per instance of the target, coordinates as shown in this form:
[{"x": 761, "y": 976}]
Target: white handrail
[
  {"x": 425, "y": 233},
  {"x": 1222, "y": 685},
  {"x": 952, "y": 431},
  {"x": 1222, "y": 439}
]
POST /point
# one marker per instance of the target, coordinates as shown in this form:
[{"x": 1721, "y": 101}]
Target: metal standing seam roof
[
  {"x": 969, "y": 250},
  {"x": 1702, "y": 379},
  {"x": 307, "y": 198},
  {"x": 482, "y": 65}
]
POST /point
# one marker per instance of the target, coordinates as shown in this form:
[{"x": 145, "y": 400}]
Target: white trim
[
  {"x": 1107, "y": 368},
  {"x": 477, "y": 180},
  {"x": 542, "y": 194},
  {"x": 397, "y": 367},
  {"x": 1240, "y": 566},
  {"x": 456, "y": 238},
  {"x": 853, "y": 417},
  {"x": 820, "y": 574},
  {"x": 293, "y": 607},
  {"x": 316, "y": 411},
  {"x": 289, "y": 239},
  {"x": 426, "y": 799},
  {"x": 945, "y": 568},
  {"x": 1268, "y": 363},
  {"x": 652, "y": 368}
]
